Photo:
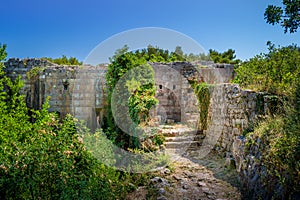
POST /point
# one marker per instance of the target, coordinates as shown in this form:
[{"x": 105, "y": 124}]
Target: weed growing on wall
[{"x": 34, "y": 73}]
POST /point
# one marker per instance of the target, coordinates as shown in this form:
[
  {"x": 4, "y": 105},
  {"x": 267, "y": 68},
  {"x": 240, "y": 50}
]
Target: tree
[
  {"x": 195, "y": 57},
  {"x": 225, "y": 57},
  {"x": 3, "y": 53},
  {"x": 64, "y": 60},
  {"x": 142, "y": 96},
  {"x": 119, "y": 52},
  {"x": 275, "y": 72},
  {"x": 288, "y": 15},
  {"x": 178, "y": 51}
]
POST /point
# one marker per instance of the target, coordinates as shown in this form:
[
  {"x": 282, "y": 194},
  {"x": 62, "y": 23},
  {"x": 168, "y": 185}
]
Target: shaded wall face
[
  {"x": 216, "y": 75},
  {"x": 177, "y": 101},
  {"x": 168, "y": 93}
]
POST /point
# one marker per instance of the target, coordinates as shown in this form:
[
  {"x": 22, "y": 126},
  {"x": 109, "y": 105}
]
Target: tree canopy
[
  {"x": 64, "y": 60},
  {"x": 288, "y": 15},
  {"x": 276, "y": 72},
  {"x": 225, "y": 57},
  {"x": 142, "y": 96}
]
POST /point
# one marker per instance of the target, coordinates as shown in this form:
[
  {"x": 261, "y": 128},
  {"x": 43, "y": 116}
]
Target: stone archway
[{"x": 168, "y": 108}]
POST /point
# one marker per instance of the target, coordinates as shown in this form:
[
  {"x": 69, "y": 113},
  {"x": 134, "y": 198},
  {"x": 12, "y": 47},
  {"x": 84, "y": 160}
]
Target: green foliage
[
  {"x": 33, "y": 73},
  {"x": 159, "y": 139},
  {"x": 225, "y": 57},
  {"x": 203, "y": 91},
  {"x": 276, "y": 72},
  {"x": 3, "y": 52},
  {"x": 288, "y": 16},
  {"x": 46, "y": 159},
  {"x": 64, "y": 60},
  {"x": 281, "y": 149},
  {"x": 147, "y": 161},
  {"x": 138, "y": 88},
  {"x": 195, "y": 57}
]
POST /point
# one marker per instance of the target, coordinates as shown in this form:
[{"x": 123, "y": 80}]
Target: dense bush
[
  {"x": 277, "y": 72},
  {"x": 47, "y": 159}
]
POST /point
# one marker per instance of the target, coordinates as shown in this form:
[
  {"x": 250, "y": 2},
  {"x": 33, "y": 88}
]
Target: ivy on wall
[{"x": 202, "y": 91}]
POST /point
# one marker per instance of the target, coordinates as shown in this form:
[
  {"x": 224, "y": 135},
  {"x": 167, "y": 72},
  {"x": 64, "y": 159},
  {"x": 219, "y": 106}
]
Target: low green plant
[
  {"x": 147, "y": 161},
  {"x": 159, "y": 139}
]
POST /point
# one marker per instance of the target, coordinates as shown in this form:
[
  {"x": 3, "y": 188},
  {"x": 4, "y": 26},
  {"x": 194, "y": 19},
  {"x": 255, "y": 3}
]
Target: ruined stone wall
[
  {"x": 80, "y": 90},
  {"x": 32, "y": 88},
  {"x": 77, "y": 90},
  {"x": 169, "y": 87},
  {"x": 214, "y": 73},
  {"x": 231, "y": 111},
  {"x": 177, "y": 100}
]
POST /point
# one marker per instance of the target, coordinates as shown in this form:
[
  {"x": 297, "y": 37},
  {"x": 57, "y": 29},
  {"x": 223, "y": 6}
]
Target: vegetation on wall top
[{"x": 64, "y": 60}]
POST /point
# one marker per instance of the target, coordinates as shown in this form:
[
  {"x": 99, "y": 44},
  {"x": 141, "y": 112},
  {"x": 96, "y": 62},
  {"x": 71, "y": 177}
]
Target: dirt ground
[{"x": 190, "y": 179}]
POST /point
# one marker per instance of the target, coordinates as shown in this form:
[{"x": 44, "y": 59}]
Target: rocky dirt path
[{"x": 189, "y": 180}]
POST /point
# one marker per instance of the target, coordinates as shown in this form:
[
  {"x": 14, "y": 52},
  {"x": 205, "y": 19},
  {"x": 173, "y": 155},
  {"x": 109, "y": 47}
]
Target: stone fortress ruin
[{"x": 81, "y": 91}]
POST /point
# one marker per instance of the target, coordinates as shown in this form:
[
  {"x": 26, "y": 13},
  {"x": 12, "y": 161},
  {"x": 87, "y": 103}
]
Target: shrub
[
  {"x": 276, "y": 72},
  {"x": 46, "y": 159}
]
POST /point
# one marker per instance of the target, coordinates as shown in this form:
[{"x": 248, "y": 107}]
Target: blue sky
[{"x": 37, "y": 28}]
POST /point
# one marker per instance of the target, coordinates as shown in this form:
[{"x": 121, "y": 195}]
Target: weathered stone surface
[{"x": 78, "y": 90}]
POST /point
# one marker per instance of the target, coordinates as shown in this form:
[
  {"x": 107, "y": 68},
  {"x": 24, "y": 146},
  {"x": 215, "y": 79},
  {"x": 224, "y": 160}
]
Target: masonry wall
[
  {"x": 231, "y": 111},
  {"x": 177, "y": 100},
  {"x": 77, "y": 90},
  {"x": 80, "y": 90}
]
